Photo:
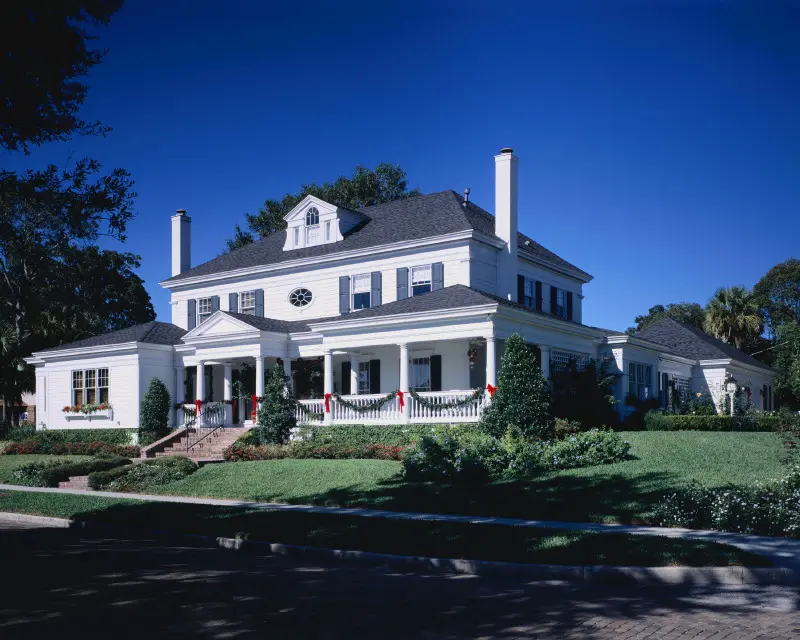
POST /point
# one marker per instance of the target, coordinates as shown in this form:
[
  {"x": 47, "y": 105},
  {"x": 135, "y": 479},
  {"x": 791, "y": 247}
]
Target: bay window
[
  {"x": 640, "y": 380},
  {"x": 89, "y": 386}
]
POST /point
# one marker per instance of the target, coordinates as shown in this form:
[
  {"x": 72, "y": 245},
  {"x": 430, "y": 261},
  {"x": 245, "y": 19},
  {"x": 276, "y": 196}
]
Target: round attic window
[{"x": 300, "y": 297}]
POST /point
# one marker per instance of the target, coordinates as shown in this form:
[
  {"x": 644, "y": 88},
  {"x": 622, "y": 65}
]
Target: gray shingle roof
[
  {"x": 269, "y": 324},
  {"x": 402, "y": 220},
  {"x": 691, "y": 342},
  {"x": 150, "y": 333}
]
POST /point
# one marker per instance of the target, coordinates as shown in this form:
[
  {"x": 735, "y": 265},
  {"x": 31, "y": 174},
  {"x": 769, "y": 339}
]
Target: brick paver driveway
[{"x": 61, "y": 584}]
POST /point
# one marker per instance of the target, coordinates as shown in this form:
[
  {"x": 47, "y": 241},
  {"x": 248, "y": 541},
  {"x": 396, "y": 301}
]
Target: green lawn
[
  {"x": 621, "y": 492},
  {"x": 485, "y": 542},
  {"x": 9, "y": 463}
]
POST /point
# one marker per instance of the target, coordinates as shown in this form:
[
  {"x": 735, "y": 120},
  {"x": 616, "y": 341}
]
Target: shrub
[
  {"x": 363, "y": 435},
  {"x": 563, "y": 427},
  {"x": 586, "y": 449},
  {"x": 14, "y": 433},
  {"x": 49, "y": 474},
  {"x": 239, "y": 452},
  {"x": 699, "y": 404},
  {"x": 657, "y": 421},
  {"x": 154, "y": 411},
  {"x": 109, "y": 436},
  {"x": 275, "y": 418},
  {"x": 70, "y": 448},
  {"x": 142, "y": 476},
  {"x": 522, "y": 399},
  {"x": 586, "y": 394}
]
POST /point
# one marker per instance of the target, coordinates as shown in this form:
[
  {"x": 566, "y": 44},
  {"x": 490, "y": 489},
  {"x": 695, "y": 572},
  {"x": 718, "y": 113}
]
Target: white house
[{"x": 414, "y": 295}]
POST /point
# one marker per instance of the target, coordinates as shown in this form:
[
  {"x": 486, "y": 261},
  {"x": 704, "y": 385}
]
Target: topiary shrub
[
  {"x": 275, "y": 418},
  {"x": 522, "y": 399},
  {"x": 154, "y": 412}
]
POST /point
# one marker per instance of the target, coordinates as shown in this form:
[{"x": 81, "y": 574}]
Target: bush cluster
[
  {"x": 364, "y": 435},
  {"x": 144, "y": 475},
  {"x": 756, "y": 421},
  {"x": 109, "y": 436},
  {"x": 70, "y": 448},
  {"x": 49, "y": 474},
  {"x": 240, "y": 452},
  {"x": 763, "y": 509},
  {"x": 154, "y": 412},
  {"x": 22, "y": 431}
]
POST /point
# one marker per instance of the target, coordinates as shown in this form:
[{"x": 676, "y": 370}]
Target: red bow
[
  {"x": 233, "y": 407},
  {"x": 400, "y": 395},
  {"x": 197, "y": 405},
  {"x": 254, "y": 400},
  {"x": 491, "y": 389},
  {"x": 328, "y": 397}
]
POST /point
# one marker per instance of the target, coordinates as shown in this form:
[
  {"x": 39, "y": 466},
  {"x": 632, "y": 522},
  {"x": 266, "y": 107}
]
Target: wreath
[{"x": 463, "y": 402}]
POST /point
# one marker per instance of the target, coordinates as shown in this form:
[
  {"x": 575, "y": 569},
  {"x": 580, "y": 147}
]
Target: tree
[
  {"x": 689, "y": 313},
  {"x": 787, "y": 365},
  {"x": 586, "y": 394},
  {"x": 275, "y": 418},
  {"x": 366, "y": 187},
  {"x": 46, "y": 55},
  {"x": 778, "y": 295},
  {"x": 732, "y": 315},
  {"x": 522, "y": 399},
  {"x": 154, "y": 412},
  {"x": 241, "y": 238}
]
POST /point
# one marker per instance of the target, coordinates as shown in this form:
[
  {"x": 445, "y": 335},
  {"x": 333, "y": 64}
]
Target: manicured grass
[
  {"x": 622, "y": 492},
  {"x": 9, "y": 463},
  {"x": 475, "y": 541}
]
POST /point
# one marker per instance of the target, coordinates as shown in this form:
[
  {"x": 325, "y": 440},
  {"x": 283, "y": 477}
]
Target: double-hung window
[
  {"x": 421, "y": 374},
  {"x": 362, "y": 286},
  {"x": 203, "y": 310},
  {"x": 529, "y": 290},
  {"x": 363, "y": 378},
  {"x": 312, "y": 226},
  {"x": 640, "y": 380},
  {"x": 561, "y": 304},
  {"x": 90, "y": 386},
  {"x": 247, "y": 302},
  {"x": 420, "y": 280}
]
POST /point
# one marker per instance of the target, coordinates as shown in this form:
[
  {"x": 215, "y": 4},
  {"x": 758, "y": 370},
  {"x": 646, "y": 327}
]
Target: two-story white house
[{"x": 417, "y": 294}]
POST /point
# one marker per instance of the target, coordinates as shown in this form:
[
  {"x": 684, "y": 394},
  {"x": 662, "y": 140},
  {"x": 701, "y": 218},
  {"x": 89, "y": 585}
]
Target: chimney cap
[
  {"x": 180, "y": 212},
  {"x": 506, "y": 150}
]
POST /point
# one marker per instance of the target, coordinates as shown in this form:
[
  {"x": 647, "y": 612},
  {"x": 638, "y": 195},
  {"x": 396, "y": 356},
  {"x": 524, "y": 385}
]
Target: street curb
[{"x": 595, "y": 574}]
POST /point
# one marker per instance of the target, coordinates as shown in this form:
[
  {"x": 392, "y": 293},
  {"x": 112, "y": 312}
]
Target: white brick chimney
[
  {"x": 181, "y": 242},
  {"x": 505, "y": 226}
]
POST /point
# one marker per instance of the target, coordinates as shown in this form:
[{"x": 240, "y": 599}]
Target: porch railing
[
  {"x": 390, "y": 412},
  {"x": 200, "y": 427}
]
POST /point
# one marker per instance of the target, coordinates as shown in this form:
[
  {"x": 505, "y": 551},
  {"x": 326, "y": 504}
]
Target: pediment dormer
[
  {"x": 220, "y": 324},
  {"x": 315, "y": 222}
]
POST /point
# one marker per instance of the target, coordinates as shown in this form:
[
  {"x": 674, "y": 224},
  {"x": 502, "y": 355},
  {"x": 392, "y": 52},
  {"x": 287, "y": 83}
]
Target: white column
[
  {"x": 328, "y": 382},
  {"x": 545, "y": 361},
  {"x": 404, "y": 381},
  {"x": 353, "y": 374},
  {"x": 227, "y": 393},
  {"x": 491, "y": 361},
  {"x": 180, "y": 390},
  {"x": 287, "y": 371},
  {"x": 259, "y": 378},
  {"x": 201, "y": 386}
]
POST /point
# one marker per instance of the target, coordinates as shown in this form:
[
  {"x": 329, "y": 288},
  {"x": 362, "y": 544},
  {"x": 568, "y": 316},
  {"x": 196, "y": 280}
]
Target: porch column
[
  {"x": 201, "y": 387},
  {"x": 491, "y": 361},
  {"x": 353, "y": 374},
  {"x": 180, "y": 393},
  {"x": 328, "y": 381},
  {"x": 227, "y": 393},
  {"x": 259, "y": 378},
  {"x": 545, "y": 351},
  {"x": 287, "y": 371},
  {"x": 406, "y": 417}
]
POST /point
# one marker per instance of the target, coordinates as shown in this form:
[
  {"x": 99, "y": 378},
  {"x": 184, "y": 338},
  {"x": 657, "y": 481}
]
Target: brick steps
[
  {"x": 75, "y": 482},
  {"x": 210, "y": 448}
]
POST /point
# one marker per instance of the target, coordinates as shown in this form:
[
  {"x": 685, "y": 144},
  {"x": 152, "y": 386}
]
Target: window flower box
[{"x": 89, "y": 412}]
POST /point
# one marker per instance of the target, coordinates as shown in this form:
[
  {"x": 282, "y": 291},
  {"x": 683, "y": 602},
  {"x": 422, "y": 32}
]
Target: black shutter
[
  {"x": 233, "y": 302},
  {"x": 538, "y": 296},
  {"x": 344, "y": 294},
  {"x": 376, "y": 298},
  {"x": 374, "y": 376},
  {"x": 402, "y": 283},
  {"x": 214, "y": 303},
  {"x": 553, "y": 300},
  {"x": 192, "y": 321},
  {"x": 259, "y": 310},
  {"x": 437, "y": 276},
  {"x": 569, "y": 305},
  {"x": 346, "y": 391},
  {"x": 436, "y": 373},
  {"x": 520, "y": 289}
]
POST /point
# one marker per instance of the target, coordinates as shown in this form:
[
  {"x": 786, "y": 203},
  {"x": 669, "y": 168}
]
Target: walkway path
[{"x": 784, "y": 552}]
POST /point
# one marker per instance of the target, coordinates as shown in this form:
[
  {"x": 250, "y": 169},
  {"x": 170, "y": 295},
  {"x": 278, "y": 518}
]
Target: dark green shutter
[
  {"x": 344, "y": 294},
  {"x": 437, "y": 276},
  {"x": 233, "y": 302},
  {"x": 402, "y": 283},
  {"x": 553, "y": 300},
  {"x": 436, "y": 373},
  {"x": 259, "y": 310},
  {"x": 214, "y": 303},
  {"x": 376, "y": 286},
  {"x": 538, "y": 296},
  {"x": 374, "y": 376},
  {"x": 192, "y": 317},
  {"x": 520, "y": 289},
  {"x": 346, "y": 390},
  {"x": 569, "y": 305}
]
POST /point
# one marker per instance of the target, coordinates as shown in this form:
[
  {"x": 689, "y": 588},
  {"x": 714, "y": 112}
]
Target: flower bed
[{"x": 70, "y": 448}]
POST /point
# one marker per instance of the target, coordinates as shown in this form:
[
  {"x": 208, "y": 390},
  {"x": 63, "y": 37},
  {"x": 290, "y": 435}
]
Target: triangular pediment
[
  {"x": 299, "y": 211},
  {"x": 221, "y": 324}
]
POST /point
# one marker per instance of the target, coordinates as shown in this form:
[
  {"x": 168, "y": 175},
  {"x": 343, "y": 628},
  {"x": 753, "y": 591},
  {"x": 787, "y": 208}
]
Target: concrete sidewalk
[{"x": 784, "y": 552}]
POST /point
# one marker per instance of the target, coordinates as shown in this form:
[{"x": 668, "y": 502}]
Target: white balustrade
[
  {"x": 311, "y": 407},
  {"x": 470, "y": 412}
]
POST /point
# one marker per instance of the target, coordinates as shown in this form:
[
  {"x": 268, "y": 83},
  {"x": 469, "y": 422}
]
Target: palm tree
[{"x": 732, "y": 315}]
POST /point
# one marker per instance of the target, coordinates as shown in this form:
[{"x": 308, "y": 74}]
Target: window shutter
[
  {"x": 259, "y": 310},
  {"x": 346, "y": 391},
  {"x": 437, "y": 276},
  {"x": 376, "y": 289},
  {"x": 402, "y": 283},
  {"x": 521, "y": 289},
  {"x": 436, "y": 373},
  {"x": 233, "y": 302},
  {"x": 553, "y": 300},
  {"x": 569, "y": 305},
  {"x": 192, "y": 322},
  {"x": 344, "y": 294},
  {"x": 214, "y": 303},
  {"x": 374, "y": 376},
  {"x": 538, "y": 296}
]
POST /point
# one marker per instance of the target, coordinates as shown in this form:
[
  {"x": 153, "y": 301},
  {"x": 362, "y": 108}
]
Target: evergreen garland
[
  {"x": 477, "y": 394},
  {"x": 314, "y": 415},
  {"x": 370, "y": 406}
]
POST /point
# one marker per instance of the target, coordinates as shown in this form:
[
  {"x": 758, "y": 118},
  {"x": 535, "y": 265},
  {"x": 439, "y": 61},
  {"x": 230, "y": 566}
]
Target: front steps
[
  {"x": 75, "y": 482},
  {"x": 209, "y": 449}
]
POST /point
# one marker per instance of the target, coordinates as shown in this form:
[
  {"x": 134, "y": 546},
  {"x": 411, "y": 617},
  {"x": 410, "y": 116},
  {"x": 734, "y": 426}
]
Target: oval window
[{"x": 300, "y": 297}]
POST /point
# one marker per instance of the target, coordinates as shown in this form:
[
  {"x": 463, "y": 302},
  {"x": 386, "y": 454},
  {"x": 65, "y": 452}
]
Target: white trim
[{"x": 530, "y": 257}]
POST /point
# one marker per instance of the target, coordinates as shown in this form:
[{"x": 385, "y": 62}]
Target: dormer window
[
  {"x": 313, "y": 223},
  {"x": 312, "y": 226},
  {"x": 312, "y": 217}
]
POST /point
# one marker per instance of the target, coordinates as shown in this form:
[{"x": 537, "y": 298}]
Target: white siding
[
  {"x": 155, "y": 363},
  {"x": 552, "y": 279}
]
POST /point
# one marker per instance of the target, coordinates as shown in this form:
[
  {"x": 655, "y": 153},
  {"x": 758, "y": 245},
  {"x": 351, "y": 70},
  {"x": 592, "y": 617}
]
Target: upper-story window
[
  {"x": 203, "y": 310},
  {"x": 362, "y": 291},
  {"x": 247, "y": 302},
  {"x": 420, "y": 279},
  {"x": 561, "y": 304},
  {"x": 529, "y": 299},
  {"x": 640, "y": 380},
  {"x": 312, "y": 226}
]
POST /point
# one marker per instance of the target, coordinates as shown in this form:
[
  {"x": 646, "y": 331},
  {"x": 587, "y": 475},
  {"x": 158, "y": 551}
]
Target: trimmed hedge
[
  {"x": 348, "y": 435},
  {"x": 49, "y": 474},
  {"x": 655, "y": 421},
  {"x": 239, "y": 452},
  {"x": 109, "y": 436},
  {"x": 70, "y": 448},
  {"x": 138, "y": 477}
]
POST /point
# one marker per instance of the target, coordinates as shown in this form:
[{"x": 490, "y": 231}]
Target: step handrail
[{"x": 212, "y": 413}]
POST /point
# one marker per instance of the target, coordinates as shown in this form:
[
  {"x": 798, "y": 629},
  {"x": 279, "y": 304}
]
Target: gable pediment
[
  {"x": 300, "y": 210},
  {"x": 221, "y": 325}
]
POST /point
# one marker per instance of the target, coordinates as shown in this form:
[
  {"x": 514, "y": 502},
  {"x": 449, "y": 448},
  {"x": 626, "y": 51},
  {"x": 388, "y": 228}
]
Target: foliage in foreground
[
  {"x": 144, "y": 475},
  {"x": 70, "y": 448},
  {"x": 755, "y": 421},
  {"x": 109, "y": 436},
  {"x": 49, "y": 474},
  {"x": 275, "y": 418},
  {"x": 310, "y": 449},
  {"x": 154, "y": 411}
]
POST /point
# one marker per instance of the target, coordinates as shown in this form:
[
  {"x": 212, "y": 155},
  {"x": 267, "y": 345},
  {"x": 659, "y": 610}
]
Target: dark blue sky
[{"x": 659, "y": 141}]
